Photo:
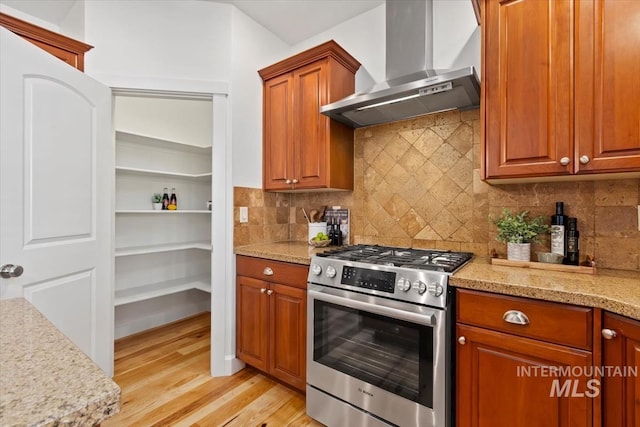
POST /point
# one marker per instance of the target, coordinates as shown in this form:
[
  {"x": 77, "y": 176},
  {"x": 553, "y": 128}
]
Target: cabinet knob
[
  {"x": 584, "y": 159},
  {"x": 263, "y": 290},
  {"x": 565, "y": 161},
  {"x": 267, "y": 271},
  {"x": 609, "y": 334},
  {"x": 462, "y": 340},
  {"x": 516, "y": 317},
  {"x": 295, "y": 181},
  {"x": 288, "y": 181},
  {"x": 269, "y": 292}
]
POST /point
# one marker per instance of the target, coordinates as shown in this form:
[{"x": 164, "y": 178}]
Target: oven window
[{"x": 391, "y": 354}]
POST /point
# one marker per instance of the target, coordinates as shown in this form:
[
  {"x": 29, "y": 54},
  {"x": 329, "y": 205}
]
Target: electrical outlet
[{"x": 244, "y": 214}]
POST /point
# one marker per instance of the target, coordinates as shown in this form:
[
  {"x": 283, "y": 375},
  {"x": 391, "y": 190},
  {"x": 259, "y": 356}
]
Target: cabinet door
[
  {"x": 252, "y": 319},
  {"x": 278, "y": 133},
  {"x": 527, "y": 88},
  {"x": 288, "y": 334},
  {"x": 621, "y": 392},
  {"x": 310, "y": 132},
  {"x": 497, "y": 384},
  {"x": 607, "y": 86}
]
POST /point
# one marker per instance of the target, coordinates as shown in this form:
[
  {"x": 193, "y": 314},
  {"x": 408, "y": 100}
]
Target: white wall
[
  {"x": 456, "y": 35},
  {"x": 253, "y": 48},
  {"x": 185, "y": 39}
]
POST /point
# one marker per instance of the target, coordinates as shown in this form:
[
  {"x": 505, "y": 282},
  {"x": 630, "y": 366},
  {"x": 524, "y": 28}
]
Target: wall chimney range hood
[{"x": 412, "y": 87}]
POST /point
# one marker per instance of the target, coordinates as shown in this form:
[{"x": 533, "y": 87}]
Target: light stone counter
[
  {"x": 45, "y": 380},
  {"x": 294, "y": 252},
  {"x": 617, "y": 291}
]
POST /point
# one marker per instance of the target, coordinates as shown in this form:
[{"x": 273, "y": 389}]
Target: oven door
[{"x": 382, "y": 356}]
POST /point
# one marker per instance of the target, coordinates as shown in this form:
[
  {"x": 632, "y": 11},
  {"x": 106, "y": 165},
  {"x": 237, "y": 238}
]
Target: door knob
[
  {"x": 584, "y": 159},
  {"x": 565, "y": 161},
  {"x": 8, "y": 271}
]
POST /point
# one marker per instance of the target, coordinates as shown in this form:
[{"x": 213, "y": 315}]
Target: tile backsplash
[{"x": 417, "y": 183}]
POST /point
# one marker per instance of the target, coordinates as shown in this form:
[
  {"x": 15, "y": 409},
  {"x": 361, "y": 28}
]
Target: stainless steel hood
[{"x": 412, "y": 87}]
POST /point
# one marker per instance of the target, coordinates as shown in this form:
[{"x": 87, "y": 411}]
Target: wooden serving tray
[{"x": 544, "y": 266}]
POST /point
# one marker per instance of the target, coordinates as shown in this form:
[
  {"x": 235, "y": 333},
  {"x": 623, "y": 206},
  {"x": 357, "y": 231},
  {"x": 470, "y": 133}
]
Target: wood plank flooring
[{"x": 165, "y": 381}]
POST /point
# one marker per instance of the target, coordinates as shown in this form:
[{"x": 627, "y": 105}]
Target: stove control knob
[
  {"x": 316, "y": 269},
  {"x": 420, "y": 287},
  {"x": 331, "y": 272},
  {"x": 436, "y": 289},
  {"x": 404, "y": 284}
]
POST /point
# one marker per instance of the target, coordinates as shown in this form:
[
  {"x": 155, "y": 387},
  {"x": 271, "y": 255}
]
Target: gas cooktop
[{"x": 421, "y": 259}]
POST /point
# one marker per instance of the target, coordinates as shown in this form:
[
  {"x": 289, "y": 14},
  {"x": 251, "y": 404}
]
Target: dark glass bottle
[
  {"x": 338, "y": 233},
  {"x": 165, "y": 199},
  {"x": 173, "y": 200},
  {"x": 558, "y": 230},
  {"x": 573, "y": 243}
]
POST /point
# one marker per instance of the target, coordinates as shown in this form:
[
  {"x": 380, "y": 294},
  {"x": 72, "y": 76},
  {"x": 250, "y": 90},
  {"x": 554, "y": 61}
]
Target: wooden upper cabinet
[
  {"x": 303, "y": 149},
  {"x": 67, "y": 49},
  {"x": 607, "y": 85},
  {"x": 560, "y": 92},
  {"x": 527, "y": 91}
]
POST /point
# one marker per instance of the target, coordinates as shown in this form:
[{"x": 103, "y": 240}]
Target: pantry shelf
[
  {"x": 162, "y": 212},
  {"x": 140, "y": 171},
  {"x": 160, "y": 143},
  {"x": 153, "y": 290},
  {"x": 154, "y": 249}
]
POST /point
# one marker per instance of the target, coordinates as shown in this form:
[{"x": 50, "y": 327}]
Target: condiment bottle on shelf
[
  {"x": 573, "y": 243},
  {"x": 558, "y": 231},
  {"x": 173, "y": 200},
  {"x": 165, "y": 199}
]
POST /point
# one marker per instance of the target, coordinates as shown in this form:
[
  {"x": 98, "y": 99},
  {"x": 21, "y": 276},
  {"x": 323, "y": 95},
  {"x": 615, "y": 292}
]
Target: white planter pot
[
  {"x": 519, "y": 251},
  {"x": 157, "y": 206}
]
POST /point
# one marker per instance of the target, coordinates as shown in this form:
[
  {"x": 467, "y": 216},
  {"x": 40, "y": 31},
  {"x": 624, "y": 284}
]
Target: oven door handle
[{"x": 413, "y": 313}]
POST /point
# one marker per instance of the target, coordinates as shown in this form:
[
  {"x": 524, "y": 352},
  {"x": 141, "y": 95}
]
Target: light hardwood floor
[{"x": 165, "y": 381}]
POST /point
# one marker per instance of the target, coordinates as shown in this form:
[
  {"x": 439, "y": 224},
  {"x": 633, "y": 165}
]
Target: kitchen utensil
[
  {"x": 313, "y": 215},
  {"x": 304, "y": 212}
]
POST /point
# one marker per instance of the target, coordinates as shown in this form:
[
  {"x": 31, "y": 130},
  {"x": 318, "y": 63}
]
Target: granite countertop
[
  {"x": 617, "y": 291},
  {"x": 45, "y": 380}
]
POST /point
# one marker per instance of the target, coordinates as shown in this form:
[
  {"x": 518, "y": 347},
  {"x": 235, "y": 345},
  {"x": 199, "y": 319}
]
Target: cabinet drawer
[
  {"x": 283, "y": 272},
  {"x": 548, "y": 321}
]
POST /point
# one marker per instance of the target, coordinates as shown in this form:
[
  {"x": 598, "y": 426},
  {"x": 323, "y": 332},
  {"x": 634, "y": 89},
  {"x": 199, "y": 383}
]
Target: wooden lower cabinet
[
  {"x": 621, "y": 393},
  {"x": 271, "y": 318},
  {"x": 503, "y": 371}
]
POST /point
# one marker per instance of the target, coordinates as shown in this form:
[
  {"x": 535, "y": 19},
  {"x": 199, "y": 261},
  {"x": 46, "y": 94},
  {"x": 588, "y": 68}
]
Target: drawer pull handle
[
  {"x": 609, "y": 334},
  {"x": 516, "y": 317},
  {"x": 267, "y": 271}
]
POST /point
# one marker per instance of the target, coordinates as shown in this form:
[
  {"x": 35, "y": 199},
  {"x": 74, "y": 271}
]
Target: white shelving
[{"x": 161, "y": 252}]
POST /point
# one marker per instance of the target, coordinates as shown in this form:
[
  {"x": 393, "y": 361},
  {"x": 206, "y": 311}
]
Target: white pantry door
[{"x": 56, "y": 178}]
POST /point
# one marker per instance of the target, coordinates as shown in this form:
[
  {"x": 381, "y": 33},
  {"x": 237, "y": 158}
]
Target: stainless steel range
[{"x": 378, "y": 337}]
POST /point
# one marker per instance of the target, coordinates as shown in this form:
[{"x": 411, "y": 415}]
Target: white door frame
[{"x": 223, "y": 358}]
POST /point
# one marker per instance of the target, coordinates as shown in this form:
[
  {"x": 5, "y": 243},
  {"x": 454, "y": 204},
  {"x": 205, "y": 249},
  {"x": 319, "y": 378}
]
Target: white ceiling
[{"x": 291, "y": 20}]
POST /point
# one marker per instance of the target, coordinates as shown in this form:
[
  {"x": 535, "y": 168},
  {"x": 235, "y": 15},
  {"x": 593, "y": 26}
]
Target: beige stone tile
[
  {"x": 617, "y": 193},
  {"x": 282, "y": 215},
  {"x": 423, "y": 244},
  {"x": 276, "y": 233},
  {"x": 396, "y": 207},
  {"x": 445, "y": 157},
  {"x": 241, "y": 235},
  {"x": 358, "y": 148},
  {"x": 387, "y": 226},
  {"x": 617, "y": 221},
  {"x": 428, "y": 175},
  {"x": 461, "y": 172},
  {"x": 241, "y": 196},
  {"x": 477, "y": 249},
  {"x": 397, "y": 147},
  {"x": 397, "y": 176},
  {"x": 383, "y": 163},
  {"x": 412, "y": 160},
  {"x": 468, "y": 115},
  {"x": 412, "y": 191},
  {"x": 427, "y": 233},
  {"x": 477, "y": 132},
  {"x": 619, "y": 253},
  {"x": 428, "y": 143},
  {"x": 479, "y": 186},
  {"x": 412, "y": 135},
  {"x": 256, "y": 215},
  {"x": 256, "y": 198},
  {"x": 504, "y": 196},
  {"x": 448, "y": 246},
  {"x": 445, "y": 131},
  {"x": 462, "y": 208},
  {"x": 445, "y": 225},
  {"x": 283, "y": 200},
  {"x": 268, "y": 215},
  {"x": 476, "y": 156},
  {"x": 411, "y": 222},
  {"x": 445, "y": 190},
  {"x": 256, "y": 234},
  {"x": 372, "y": 148},
  {"x": 428, "y": 207},
  {"x": 425, "y": 121},
  {"x": 446, "y": 117},
  {"x": 462, "y": 234},
  {"x": 462, "y": 139}
]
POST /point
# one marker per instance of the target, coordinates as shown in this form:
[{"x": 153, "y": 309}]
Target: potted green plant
[
  {"x": 156, "y": 200},
  {"x": 519, "y": 231}
]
